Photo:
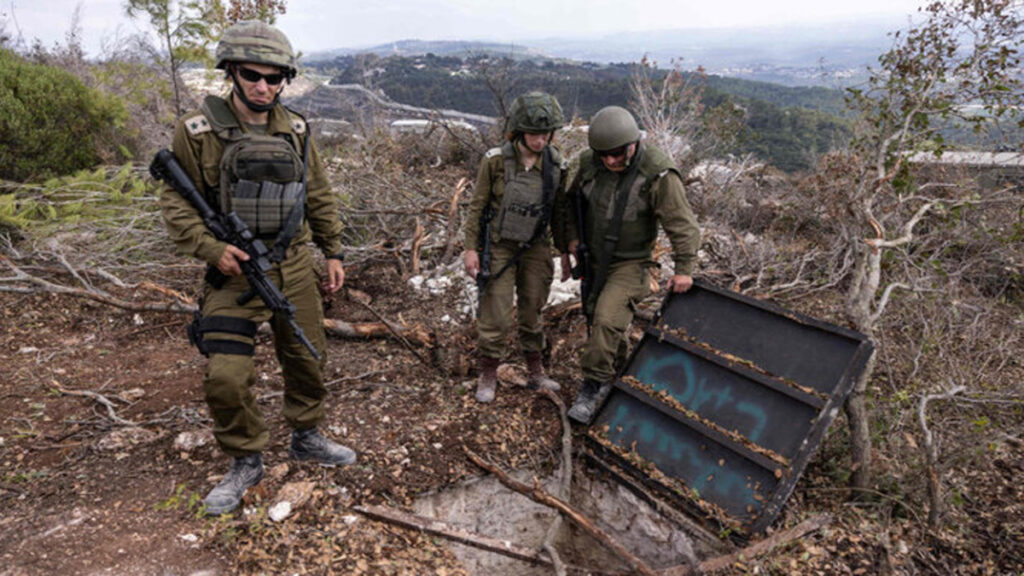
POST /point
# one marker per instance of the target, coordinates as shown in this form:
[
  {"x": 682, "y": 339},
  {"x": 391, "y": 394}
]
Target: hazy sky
[{"x": 322, "y": 24}]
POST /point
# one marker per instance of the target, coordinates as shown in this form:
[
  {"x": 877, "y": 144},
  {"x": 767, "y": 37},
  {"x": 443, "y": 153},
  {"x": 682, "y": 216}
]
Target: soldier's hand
[
  {"x": 229, "y": 259},
  {"x": 566, "y": 267},
  {"x": 680, "y": 283},
  {"x": 573, "y": 246},
  {"x": 471, "y": 260},
  {"x": 335, "y": 276}
]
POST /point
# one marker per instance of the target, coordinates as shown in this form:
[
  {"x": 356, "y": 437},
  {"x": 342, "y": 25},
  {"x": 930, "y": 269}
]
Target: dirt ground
[{"x": 94, "y": 478}]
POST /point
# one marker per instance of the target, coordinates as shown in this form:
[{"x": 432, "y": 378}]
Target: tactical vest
[
  {"x": 639, "y": 223},
  {"x": 262, "y": 177},
  {"x": 522, "y": 202}
]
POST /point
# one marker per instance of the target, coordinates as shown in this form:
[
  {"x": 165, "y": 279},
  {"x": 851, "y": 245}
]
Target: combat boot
[
  {"x": 488, "y": 379},
  {"x": 309, "y": 444},
  {"x": 536, "y": 378},
  {"x": 245, "y": 471},
  {"x": 587, "y": 399}
]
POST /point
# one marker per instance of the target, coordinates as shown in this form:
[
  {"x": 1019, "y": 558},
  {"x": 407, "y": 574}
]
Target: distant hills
[{"x": 831, "y": 54}]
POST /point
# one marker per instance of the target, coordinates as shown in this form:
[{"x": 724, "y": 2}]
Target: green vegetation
[
  {"x": 52, "y": 123},
  {"x": 787, "y": 127}
]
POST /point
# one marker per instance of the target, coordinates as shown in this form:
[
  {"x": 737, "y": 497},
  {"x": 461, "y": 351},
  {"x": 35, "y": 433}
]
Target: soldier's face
[
  {"x": 617, "y": 160},
  {"x": 536, "y": 142},
  {"x": 260, "y": 91}
]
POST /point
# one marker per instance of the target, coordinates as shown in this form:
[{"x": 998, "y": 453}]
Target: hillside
[{"x": 788, "y": 127}]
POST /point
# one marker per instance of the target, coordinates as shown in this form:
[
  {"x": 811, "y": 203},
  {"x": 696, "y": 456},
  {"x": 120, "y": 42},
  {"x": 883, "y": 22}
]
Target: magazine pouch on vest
[
  {"x": 523, "y": 202},
  {"x": 261, "y": 180}
]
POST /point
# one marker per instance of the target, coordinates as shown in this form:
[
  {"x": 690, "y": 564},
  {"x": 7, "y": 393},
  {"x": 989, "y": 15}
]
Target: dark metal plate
[{"x": 725, "y": 400}]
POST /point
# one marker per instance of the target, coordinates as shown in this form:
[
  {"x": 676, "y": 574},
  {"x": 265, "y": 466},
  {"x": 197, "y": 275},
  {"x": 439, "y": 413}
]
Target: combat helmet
[
  {"x": 535, "y": 113},
  {"x": 611, "y": 128},
  {"x": 256, "y": 42}
]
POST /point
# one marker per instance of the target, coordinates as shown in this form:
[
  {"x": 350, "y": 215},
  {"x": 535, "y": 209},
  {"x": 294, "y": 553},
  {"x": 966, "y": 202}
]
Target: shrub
[{"x": 50, "y": 122}]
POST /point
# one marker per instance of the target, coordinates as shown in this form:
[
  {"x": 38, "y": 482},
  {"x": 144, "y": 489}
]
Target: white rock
[
  {"x": 137, "y": 320},
  {"x": 191, "y": 538},
  {"x": 192, "y": 439},
  {"x": 28, "y": 350},
  {"x": 350, "y": 519},
  {"x": 280, "y": 511}
]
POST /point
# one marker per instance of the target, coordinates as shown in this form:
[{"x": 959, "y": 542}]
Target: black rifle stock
[{"x": 232, "y": 229}]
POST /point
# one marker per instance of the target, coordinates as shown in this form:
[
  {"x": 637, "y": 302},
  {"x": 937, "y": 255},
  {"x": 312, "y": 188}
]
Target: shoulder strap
[
  {"x": 508, "y": 161},
  {"x": 222, "y": 120},
  {"x": 611, "y": 237}
]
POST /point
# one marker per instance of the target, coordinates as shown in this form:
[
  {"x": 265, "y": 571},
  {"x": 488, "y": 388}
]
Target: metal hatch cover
[{"x": 724, "y": 401}]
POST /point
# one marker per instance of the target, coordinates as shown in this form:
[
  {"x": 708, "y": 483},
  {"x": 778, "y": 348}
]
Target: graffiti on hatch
[
  {"x": 694, "y": 391},
  {"x": 713, "y": 475}
]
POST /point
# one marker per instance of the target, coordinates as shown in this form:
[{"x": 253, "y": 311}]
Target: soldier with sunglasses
[
  {"x": 249, "y": 154},
  {"x": 624, "y": 188}
]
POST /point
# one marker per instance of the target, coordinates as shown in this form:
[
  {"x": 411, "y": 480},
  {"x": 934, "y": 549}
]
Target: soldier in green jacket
[
  {"x": 249, "y": 154},
  {"x": 625, "y": 187},
  {"x": 518, "y": 187}
]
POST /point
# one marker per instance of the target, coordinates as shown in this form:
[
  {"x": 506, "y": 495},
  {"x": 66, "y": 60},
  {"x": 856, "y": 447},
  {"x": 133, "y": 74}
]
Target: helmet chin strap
[{"x": 249, "y": 103}]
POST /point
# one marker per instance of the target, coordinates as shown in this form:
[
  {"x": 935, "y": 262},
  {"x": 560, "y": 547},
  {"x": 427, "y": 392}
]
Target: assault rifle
[
  {"x": 579, "y": 271},
  {"x": 483, "y": 246},
  {"x": 232, "y": 229}
]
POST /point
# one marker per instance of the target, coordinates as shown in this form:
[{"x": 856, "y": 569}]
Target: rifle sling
[{"x": 611, "y": 236}]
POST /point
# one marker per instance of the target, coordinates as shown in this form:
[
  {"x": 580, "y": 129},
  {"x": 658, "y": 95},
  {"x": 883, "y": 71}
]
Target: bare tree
[
  {"x": 670, "y": 107},
  {"x": 962, "y": 58}
]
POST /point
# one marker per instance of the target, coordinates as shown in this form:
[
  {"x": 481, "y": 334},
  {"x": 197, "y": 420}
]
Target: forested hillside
[{"x": 787, "y": 127}]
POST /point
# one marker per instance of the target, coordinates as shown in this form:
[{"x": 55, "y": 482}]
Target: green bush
[{"x": 50, "y": 122}]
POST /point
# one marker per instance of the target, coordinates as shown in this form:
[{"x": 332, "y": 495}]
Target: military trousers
[
  {"x": 523, "y": 288},
  {"x": 238, "y": 424},
  {"x": 605, "y": 350}
]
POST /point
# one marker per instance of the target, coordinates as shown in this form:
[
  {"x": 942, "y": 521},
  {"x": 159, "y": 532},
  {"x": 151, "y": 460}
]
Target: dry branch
[
  {"x": 756, "y": 549},
  {"x": 538, "y": 494},
  {"x": 375, "y": 330},
  {"x": 564, "y": 480},
  {"x": 445, "y": 530}
]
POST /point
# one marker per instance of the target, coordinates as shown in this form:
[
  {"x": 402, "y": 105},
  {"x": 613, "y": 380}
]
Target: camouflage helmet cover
[
  {"x": 535, "y": 112},
  {"x": 256, "y": 42},
  {"x": 611, "y": 128}
]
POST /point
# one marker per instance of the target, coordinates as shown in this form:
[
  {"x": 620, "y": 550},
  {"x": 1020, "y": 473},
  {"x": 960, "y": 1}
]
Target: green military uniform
[
  {"x": 530, "y": 278},
  {"x": 657, "y": 195},
  {"x": 199, "y": 144}
]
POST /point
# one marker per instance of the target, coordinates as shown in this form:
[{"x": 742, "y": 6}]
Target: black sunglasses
[
  {"x": 254, "y": 76},
  {"x": 614, "y": 153}
]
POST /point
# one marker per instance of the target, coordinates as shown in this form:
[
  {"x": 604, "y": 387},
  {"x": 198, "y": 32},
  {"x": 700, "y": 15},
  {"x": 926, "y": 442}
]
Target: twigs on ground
[
  {"x": 26, "y": 283},
  {"x": 100, "y": 398},
  {"x": 539, "y": 495}
]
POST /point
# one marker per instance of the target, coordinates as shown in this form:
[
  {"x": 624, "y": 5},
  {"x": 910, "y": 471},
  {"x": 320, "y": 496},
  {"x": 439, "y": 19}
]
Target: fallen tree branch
[
  {"x": 564, "y": 481},
  {"x": 538, "y": 494},
  {"x": 445, "y": 530},
  {"x": 111, "y": 412},
  {"x": 396, "y": 333},
  {"x": 758, "y": 548},
  {"x": 372, "y": 330},
  {"x": 46, "y": 286}
]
